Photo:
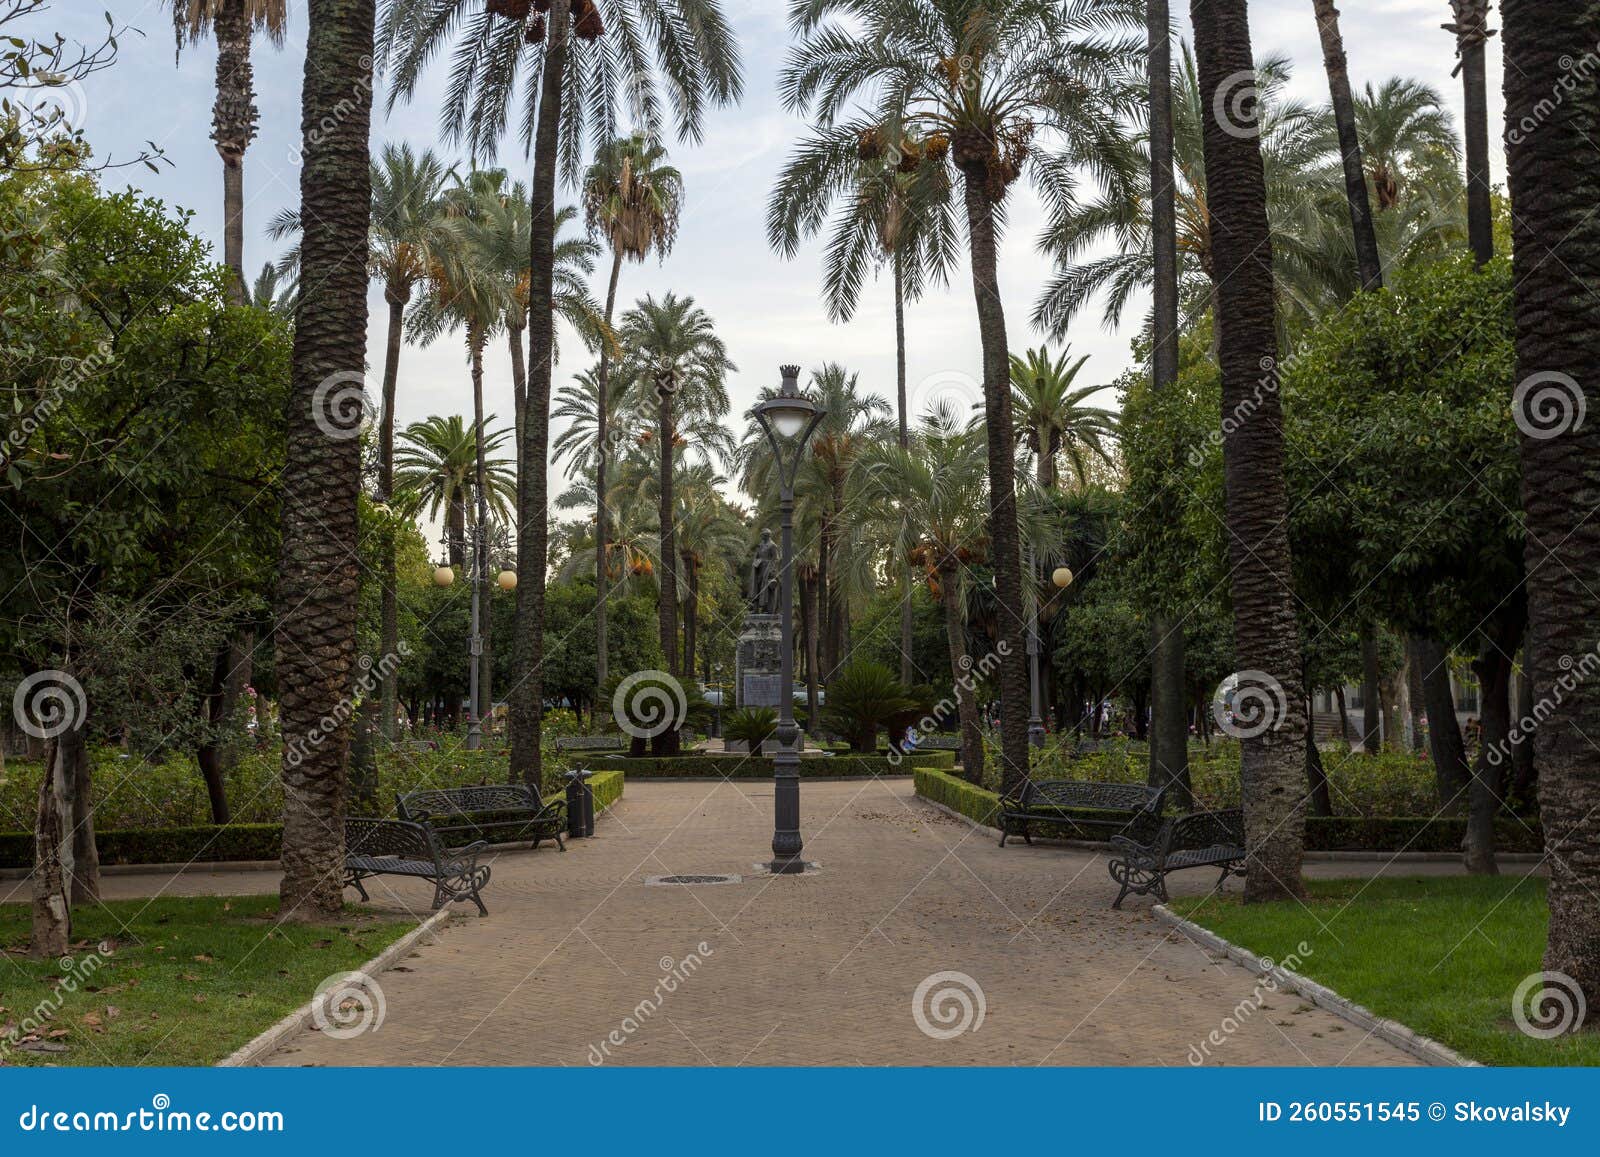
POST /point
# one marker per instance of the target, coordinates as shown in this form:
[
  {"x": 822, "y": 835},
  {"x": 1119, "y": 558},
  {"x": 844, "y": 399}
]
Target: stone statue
[{"x": 761, "y": 591}]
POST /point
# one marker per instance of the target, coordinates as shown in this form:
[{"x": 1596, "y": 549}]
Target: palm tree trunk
[
  {"x": 1471, "y": 27},
  {"x": 808, "y": 629},
  {"x": 825, "y": 581},
  {"x": 1169, "y": 731},
  {"x": 838, "y": 602},
  {"x": 519, "y": 388},
  {"x": 667, "y": 576},
  {"x": 1005, "y": 551},
  {"x": 318, "y": 575},
  {"x": 691, "y": 611},
  {"x": 907, "y": 576},
  {"x": 955, "y": 633},
  {"x": 456, "y": 527},
  {"x": 1266, "y": 634},
  {"x": 233, "y": 127},
  {"x": 527, "y": 695},
  {"x": 397, "y": 296},
  {"x": 1368, "y": 263},
  {"x": 602, "y": 513}
]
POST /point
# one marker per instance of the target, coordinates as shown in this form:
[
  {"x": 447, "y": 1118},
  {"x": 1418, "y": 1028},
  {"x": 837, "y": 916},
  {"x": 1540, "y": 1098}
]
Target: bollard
[{"x": 580, "y": 804}]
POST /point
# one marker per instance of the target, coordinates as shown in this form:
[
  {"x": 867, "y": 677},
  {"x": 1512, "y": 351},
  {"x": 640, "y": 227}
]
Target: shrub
[
  {"x": 752, "y": 725},
  {"x": 867, "y": 697}
]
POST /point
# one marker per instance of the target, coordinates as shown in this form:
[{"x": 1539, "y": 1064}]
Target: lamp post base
[{"x": 792, "y": 866}]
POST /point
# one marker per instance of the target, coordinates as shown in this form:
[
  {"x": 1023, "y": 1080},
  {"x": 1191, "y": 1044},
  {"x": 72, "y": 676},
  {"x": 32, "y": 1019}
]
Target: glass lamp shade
[
  {"x": 443, "y": 576},
  {"x": 789, "y": 421},
  {"x": 507, "y": 580},
  {"x": 1062, "y": 577}
]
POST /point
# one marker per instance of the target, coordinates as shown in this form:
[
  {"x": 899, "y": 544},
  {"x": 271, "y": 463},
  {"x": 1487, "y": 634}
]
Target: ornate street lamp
[
  {"x": 1035, "y": 677},
  {"x": 788, "y": 420}
]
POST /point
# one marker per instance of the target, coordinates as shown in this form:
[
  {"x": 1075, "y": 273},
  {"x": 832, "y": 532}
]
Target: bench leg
[
  {"x": 560, "y": 843},
  {"x": 354, "y": 881}
]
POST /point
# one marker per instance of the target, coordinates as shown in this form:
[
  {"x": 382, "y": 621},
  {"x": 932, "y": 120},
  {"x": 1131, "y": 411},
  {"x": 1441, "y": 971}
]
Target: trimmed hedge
[
  {"x": 760, "y": 766},
  {"x": 1323, "y": 833},
  {"x": 208, "y": 845}
]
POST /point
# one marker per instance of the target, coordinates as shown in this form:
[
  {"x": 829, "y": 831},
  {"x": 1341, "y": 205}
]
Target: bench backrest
[
  {"x": 1208, "y": 829},
  {"x": 1070, "y": 793},
  {"x": 399, "y": 838},
  {"x": 450, "y": 802},
  {"x": 591, "y": 742}
]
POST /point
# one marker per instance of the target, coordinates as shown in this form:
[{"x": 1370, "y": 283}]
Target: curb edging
[
  {"x": 1408, "y": 1040},
  {"x": 269, "y": 1041}
]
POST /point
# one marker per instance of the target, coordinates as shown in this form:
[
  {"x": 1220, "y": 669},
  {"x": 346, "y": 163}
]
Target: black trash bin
[{"x": 580, "y": 804}]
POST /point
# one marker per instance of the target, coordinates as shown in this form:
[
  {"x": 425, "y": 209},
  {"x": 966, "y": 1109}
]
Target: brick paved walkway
[{"x": 814, "y": 970}]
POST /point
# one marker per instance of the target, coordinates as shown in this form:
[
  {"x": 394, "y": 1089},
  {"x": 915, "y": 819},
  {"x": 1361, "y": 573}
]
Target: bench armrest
[{"x": 460, "y": 861}]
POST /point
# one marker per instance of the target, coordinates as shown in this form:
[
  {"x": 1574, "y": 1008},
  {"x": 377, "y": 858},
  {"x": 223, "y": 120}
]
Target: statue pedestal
[{"x": 758, "y": 661}]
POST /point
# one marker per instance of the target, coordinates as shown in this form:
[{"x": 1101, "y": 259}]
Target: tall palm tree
[
  {"x": 407, "y": 238},
  {"x": 631, "y": 197},
  {"x": 1344, "y": 119},
  {"x": 1471, "y": 27},
  {"x": 985, "y": 77},
  {"x": 318, "y": 578},
  {"x": 1555, "y": 254},
  {"x": 888, "y": 208},
  {"x": 1169, "y": 730},
  {"x": 689, "y": 46},
  {"x": 930, "y": 499},
  {"x": 672, "y": 350},
  {"x": 1266, "y": 635},
  {"x": 234, "y": 114},
  {"x": 1052, "y": 418}
]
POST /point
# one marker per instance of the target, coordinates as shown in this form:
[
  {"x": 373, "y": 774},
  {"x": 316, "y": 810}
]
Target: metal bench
[
  {"x": 591, "y": 742},
  {"x": 1129, "y": 809},
  {"x": 403, "y": 848},
  {"x": 491, "y": 807},
  {"x": 1197, "y": 840}
]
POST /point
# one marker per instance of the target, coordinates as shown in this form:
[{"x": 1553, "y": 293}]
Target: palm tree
[
  {"x": 1344, "y": 119},
  {"x": 1052, "y": 418},
  {"x": 272, "y": 292},
  {"x": 1169, "y": 730},
  {"x": 1293, "y": 148},
  {"x": 234, "y": 114},
  {"x": 691, "y": 46},
  {"x": 671, "y": 348},
  {"x": 930, "y": 499},
  {"x": 1555, "y": 239},
  {"x": 436, "y": 462},
  {"x": 1266, "y": 635},
  {"x": 983, "y": 77},
  {"x": 706, "y": 528},
  {"x": 633, "y": 198},
  {"x": 318, "y": 578},
  {"x": 888, "y": 208},
  {"x": 1471, "y": 27}
]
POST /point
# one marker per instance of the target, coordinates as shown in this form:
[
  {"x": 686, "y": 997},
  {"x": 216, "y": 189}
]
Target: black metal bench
[
  {"x": 403, "y": 848},
  {"x": 591, "y": 742},
  {"x": 1197, "y": 840},
  {"x": 1131, "y": 809},
  {"x": 485, "y": 808}
]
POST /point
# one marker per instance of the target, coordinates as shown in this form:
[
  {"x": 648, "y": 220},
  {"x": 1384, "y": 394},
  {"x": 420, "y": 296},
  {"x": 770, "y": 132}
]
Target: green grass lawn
[
  {"x": 185, "y": 981},
  {"x": 1442, "y": 955}
]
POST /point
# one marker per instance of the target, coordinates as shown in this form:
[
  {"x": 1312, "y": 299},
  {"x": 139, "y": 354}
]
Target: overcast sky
[{"x": 766, "y": 309}]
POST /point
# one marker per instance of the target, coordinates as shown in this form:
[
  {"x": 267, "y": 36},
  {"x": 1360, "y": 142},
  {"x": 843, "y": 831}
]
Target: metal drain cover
[{"x": 695, "y": 879}]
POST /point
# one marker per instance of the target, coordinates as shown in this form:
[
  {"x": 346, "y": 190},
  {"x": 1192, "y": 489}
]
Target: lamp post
[
  {"x": 1062, "y": 578},
  {"x": 1035, "y": 716},
  {"x": 788, "y": 420}
]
